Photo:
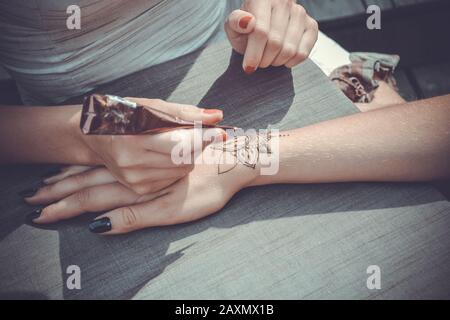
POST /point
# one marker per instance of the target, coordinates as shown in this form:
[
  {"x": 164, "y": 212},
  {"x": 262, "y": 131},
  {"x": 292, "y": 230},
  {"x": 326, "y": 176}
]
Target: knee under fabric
[{"x": 360, "y": 79}]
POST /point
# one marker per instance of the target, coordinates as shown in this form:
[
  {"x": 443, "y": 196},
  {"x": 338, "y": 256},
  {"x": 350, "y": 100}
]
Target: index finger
[
  {"x": 171, "y": 142},
  {"x": 258, "y": 38},
  {"x": 182, "y": 111}
]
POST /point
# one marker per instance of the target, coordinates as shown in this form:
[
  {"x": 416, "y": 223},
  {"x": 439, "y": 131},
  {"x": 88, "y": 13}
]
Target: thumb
[{"x": 241, "y": 22}]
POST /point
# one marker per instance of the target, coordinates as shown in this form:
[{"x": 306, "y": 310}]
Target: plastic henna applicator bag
[{"x": 113, "y": 115}]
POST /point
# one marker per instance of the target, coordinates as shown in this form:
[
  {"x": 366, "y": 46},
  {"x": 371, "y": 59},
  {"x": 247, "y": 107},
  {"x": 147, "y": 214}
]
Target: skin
[
  {"x": 406, "y": 142},
  {"x": 384, "y": 96}
]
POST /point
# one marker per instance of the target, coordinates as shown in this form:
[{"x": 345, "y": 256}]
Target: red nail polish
[
  {"x": 220, "y": 138},
  {"x": 243, "y": 23},
  {"x": 212, "y": 111},
  {"x": 224, "y": 136},
  {"x": 249, "y": 70}
]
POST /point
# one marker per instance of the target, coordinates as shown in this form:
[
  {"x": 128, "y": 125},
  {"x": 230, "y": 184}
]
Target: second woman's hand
[
  {"x": 202, "y": 192},
  {"x": 143, "y": 163},
  {"x": 271, "y": 33}
]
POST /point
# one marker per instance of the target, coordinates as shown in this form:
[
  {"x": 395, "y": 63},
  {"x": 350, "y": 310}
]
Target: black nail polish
[
  {"x": 100, "y": 225},
  {"x": 51, "y": 173},
  {"x": 28, "y": 192},
  {"x": 33, "y": 215}
]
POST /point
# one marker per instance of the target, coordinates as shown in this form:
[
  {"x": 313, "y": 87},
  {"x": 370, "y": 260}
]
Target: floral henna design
[{"x": 245, "y": 150}]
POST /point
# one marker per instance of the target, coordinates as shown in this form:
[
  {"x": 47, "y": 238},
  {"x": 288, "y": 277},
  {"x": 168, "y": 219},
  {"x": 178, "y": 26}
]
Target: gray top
[{"x": 51, "y": 63}]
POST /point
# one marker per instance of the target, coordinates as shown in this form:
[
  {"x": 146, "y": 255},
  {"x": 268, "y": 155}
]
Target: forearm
[
  {"x": 42, "y": 135},
  {"x": 408, "y": 142}
]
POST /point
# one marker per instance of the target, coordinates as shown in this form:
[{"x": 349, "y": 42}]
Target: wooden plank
[
  {"x": 410, "y": 245},
  {"x": 433, "y": 80},
  {"x": 402, "y": 3},
  {"x": 323, "y": 10},
  {"x": 383, "y": 4}
]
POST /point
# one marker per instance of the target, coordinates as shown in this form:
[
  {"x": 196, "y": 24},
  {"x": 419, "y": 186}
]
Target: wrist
[
  {"x": 248, "y": 177},
  {"x": 260, "y": 178},
  {"x": 273, "y": 166},
  {"x": 83, "y": 154},
  {"x": 258, "y": 158}
]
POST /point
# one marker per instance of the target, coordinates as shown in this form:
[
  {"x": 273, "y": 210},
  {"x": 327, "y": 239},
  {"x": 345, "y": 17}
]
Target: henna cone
[{"x": 112, "y": 115}]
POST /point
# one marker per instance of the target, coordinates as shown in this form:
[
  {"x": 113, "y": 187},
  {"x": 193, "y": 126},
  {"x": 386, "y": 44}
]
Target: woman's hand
[
  {"x": 202, "y": 192},
  {"x": 143, "y": 162},
  {"x": 271, "y": 32}
]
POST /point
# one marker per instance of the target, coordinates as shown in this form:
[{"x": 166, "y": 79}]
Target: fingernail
[
  {"x": 249, "y": 70},
  {"x": 243, "y": 23},
  {"x": 50, "y": 173},
  {"x": 224, "y": 136},
  {"x": 28, "y": 192},
  {"x": 48, "y": 180},
  {"x": 212, "y": 111},
  {"x": 221, "y": 137},
  {"x": 100, "y": 225},
  {"x": 33, "y": 215}
]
